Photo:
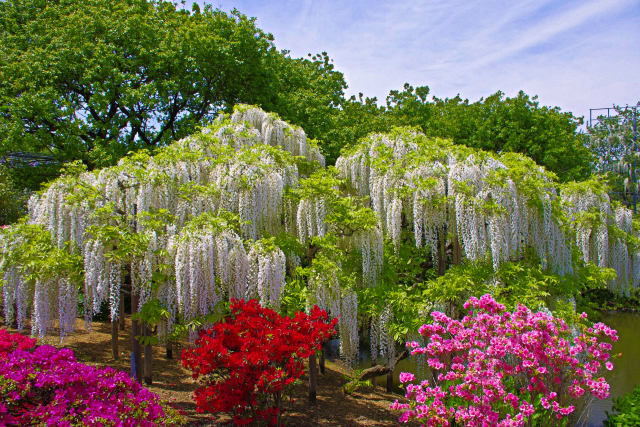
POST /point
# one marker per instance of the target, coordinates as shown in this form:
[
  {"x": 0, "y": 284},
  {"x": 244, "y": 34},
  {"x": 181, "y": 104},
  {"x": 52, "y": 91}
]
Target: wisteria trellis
[{"x": 492, "y": 206}]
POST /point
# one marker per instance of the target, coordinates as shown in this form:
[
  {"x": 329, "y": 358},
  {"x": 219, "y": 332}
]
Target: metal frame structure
[
  {"x": 595, "y": 118},
  {"x": 20, "y": 159}
]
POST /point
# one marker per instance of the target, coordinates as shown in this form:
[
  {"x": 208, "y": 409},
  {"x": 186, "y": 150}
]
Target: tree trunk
[
  {"x": 169, "y": 350},
  {"x": 135, "y": 331},
  {"x": 148, "y": 356},
  {"x": 378, "y": 370},
  {"x": 114, "y": 339},
  {"x": 313, "y": 378},
  {"x": 115, "y": 323}
]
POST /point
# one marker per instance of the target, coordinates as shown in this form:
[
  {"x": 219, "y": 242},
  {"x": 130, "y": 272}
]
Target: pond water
[
  {"x": 627, "y": 367},
  {"x": 622, "y": 379}
]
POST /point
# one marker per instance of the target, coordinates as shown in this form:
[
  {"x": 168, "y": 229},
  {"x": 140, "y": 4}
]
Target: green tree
[
  {"x": 545, "y": 134},
  {"x": 356, "y": 118},
  {"x": 410, "y": 106},
  {"x": 307, "y": 93},
  {"x": 95, "y": 79},
  {"x": 498, "y": 124}
]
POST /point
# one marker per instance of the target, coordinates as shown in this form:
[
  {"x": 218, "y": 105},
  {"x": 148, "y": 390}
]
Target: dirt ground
[{"x": 364, "y": 407}]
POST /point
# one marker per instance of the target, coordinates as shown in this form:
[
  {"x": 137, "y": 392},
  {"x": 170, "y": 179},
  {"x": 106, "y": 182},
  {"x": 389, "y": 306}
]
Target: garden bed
[{"x": 366, "y": 407}]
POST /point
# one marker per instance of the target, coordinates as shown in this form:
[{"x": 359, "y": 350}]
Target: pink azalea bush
[
  {"x": 496, "y": 367},
  {"x": 43, "y": 385}
]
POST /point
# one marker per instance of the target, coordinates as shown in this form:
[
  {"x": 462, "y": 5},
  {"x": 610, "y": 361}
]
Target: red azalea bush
[
  {"x": 496, "y": 367},
  {"x": 10, "y": 342},
  {"x": 248, "y": 361},
  {"x": 43, "y": 385}
]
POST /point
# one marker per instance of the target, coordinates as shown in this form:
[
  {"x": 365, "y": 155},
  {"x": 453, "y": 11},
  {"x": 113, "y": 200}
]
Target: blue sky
[{"x": 573, "y": 54}]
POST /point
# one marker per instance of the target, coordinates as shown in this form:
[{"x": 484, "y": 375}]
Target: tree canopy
[
  {"x": 93, "y": 80},
  {"x": 500, "y": 124}
]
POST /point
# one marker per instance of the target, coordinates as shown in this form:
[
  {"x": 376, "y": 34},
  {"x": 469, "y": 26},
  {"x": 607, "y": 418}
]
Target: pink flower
[
  {"x": 545, "y": 403},
  {"x": 406, "y": 377},
  {"x": 526, "y": 408},
  {"x": 477, "y": 355}
]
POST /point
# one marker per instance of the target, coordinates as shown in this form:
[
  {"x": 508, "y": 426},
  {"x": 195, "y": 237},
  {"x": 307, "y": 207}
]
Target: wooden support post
[
  {"x": 148, "y": 356},
  {"x": 457, "y": 249},
  {"x": 121, "y": 318},
  {"x": 313, "y": 378},
  {"x": 135, "y": 331},
  {"x": 14, "y": 324},
  {"x": 390, "y": 381},
  {"x": 114, "y": 339},
  {"x": 169, "y": 350},
  {"x": 442, "y": 252},
  {"x": 373, "y": 379},
  {"x": 115, "y": 324},
  {"x": 322, "y": 355}
]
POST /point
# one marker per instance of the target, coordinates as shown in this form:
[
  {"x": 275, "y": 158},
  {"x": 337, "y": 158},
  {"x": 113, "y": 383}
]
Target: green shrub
[{"x": 626, "y": 410}]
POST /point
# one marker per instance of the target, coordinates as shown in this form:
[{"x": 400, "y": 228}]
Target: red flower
[{"x": 249, "y": 360}]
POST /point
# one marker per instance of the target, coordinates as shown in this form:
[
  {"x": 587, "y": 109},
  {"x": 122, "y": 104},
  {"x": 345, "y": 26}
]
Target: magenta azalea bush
[
  {"x": 43, "y": 385},
  {"x": 496, "y": 367}
]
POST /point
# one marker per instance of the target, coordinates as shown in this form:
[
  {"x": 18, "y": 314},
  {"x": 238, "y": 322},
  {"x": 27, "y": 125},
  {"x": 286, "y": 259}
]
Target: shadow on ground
[{"x": 365, "y": 407}]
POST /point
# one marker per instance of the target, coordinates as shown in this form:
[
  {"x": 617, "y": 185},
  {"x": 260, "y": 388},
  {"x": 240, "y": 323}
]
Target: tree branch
[{"x": 378, "y": 370}]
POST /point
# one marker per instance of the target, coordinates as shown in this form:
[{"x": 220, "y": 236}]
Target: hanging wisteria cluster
[
  {"x": 370, "y": 243},
  {"x": 348, "y": 327},
  {"x": 310, "y": 219},
  {"x": 592, "y": 234},
  {"x": 338, "y": 302},
  {"x": 268, "y": 267},
  {"x": 205, "y": 211},
  {"x": 493, "y": 206},
  {"x": 501, "y": 218},
  {"x": 15, "y": 293},
  {"x": 369, "y": 172},
  {"x": 278, "y": 133},
  {"x": 381, "y": 342},
  {"x": 30, "y": 284},
  {"x": 102, "y": 280},
  {"x": 604, "y": 233},
  {"x": 241, "y": 164}
]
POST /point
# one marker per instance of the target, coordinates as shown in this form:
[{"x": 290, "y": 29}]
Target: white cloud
[{"x": 543, "y": 31}]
